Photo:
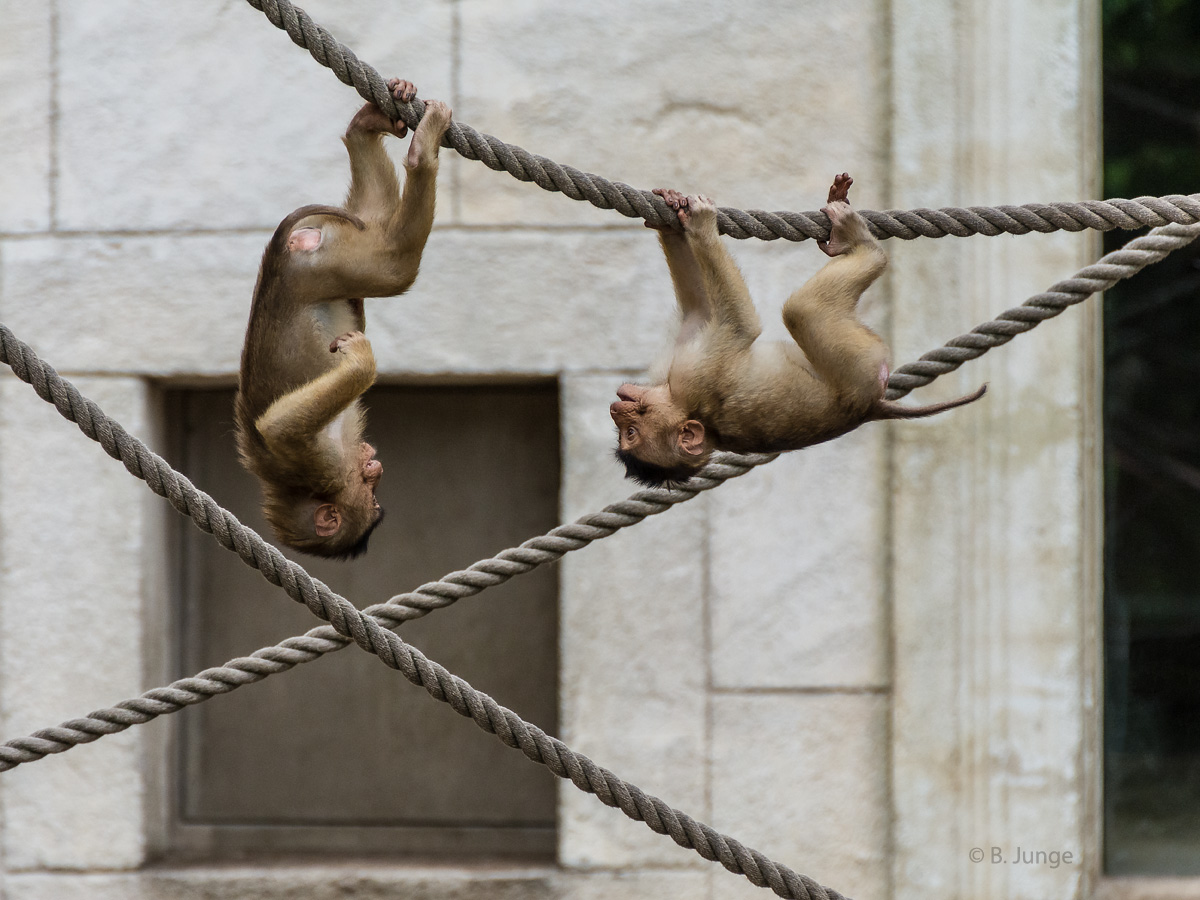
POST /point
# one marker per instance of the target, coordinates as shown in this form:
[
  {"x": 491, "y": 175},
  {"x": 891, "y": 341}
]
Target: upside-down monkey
[
  {"x": 306, "y": 361},
  {"x": 722, "y": 389}
]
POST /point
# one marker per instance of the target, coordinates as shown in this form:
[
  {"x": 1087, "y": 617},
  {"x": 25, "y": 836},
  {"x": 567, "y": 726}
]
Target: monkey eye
[{"x": 630, "y": 431}]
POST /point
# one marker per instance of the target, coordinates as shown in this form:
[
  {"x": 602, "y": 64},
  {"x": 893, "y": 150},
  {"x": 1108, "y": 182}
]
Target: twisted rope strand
[
  {"x": 1100, "y": 276},
  {"x": 369, "y": 634},
  {"x": 522, "y": 165},
  {"x": 294, "y": 651}
]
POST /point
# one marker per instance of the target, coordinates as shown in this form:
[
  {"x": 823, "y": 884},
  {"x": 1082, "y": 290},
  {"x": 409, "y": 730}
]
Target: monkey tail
[
  {"x": 279, "y": 239},
  {"x": 889, "y": 409}
]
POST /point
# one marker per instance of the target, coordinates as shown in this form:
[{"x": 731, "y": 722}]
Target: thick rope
[
  {"x": 294, "y": 651},
  {"x": 1100, "y": 276},
  {"x": 522, "y": 165}
]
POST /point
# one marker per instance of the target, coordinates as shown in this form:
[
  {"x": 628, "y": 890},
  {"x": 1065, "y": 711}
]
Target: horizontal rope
[{"x": 1102, "y": 215}]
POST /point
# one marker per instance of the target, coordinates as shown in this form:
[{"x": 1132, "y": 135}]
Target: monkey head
[
  {"x": 657, "y": 441},
  {"x": 337, "y": 524}
]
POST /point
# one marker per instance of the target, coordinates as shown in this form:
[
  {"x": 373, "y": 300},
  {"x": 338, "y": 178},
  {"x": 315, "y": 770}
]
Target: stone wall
[{"x": 864, "y": 660}]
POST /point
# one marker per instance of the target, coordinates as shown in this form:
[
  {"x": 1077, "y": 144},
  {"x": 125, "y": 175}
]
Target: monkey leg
[
  {"x": 822, "y": 318},
  {"x": 382, "y": 259}
]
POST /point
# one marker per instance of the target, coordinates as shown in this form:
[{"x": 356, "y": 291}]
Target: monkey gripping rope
[
  {"x": 1103, "y": 215},
  {"x": 369, "y": 628}
]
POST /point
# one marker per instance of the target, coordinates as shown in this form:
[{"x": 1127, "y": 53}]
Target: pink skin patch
[
  {"x": 307, "y": 238},
  {"x": 883, "y": 376}
]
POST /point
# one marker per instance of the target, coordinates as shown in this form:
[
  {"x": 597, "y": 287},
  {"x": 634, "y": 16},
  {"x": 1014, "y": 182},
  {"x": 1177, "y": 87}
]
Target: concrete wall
[{"x": 864, "y": 660}]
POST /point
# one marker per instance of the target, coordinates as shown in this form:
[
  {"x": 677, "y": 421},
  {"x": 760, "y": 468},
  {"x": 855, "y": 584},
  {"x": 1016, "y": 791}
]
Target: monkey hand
[
  {"x": 352, "y": 343},
  {"x": 371, "y": 118},
  {"x": 675, "y": 200},
  {"x": 428, "y": 137}
]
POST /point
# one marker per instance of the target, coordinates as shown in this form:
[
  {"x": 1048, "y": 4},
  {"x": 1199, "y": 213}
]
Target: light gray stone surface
[
  {"x": 26, "y": 115},
  {"x": 633, "y": 679},
  {"x": 363, "y": 881},
  {"x": 993, "y": 545},
  {"x": 70, "y": 595},
  {"x": 799, "y": 778},
  {"x": 798, "y": 554},
  {"x": 215, "y": 119},
  {"x": 756, "y": 108},
  {"x": 485, "y": 302}
]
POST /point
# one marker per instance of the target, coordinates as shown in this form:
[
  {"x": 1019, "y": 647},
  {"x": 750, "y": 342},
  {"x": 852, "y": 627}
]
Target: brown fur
[
  {"x": 306, "y": 361},
  {"x": 722, "y": 389}
]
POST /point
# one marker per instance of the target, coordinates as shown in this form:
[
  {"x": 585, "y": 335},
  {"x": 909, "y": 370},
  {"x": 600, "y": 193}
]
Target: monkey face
[
  {"x": 656, "y": 440},
  {"x": 639, "y": 416}
]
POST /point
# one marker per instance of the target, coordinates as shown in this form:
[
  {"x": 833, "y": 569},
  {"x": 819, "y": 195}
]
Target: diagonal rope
[
  {"x": 522, "y": 165},
  {"x": 294, "y": 651},
  {"x": 1100, "y": 276},
  {"x": 369, "y": 634}
]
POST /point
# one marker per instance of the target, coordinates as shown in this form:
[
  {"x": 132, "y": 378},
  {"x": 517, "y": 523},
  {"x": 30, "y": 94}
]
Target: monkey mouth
[{"x": 625, "y": 393}]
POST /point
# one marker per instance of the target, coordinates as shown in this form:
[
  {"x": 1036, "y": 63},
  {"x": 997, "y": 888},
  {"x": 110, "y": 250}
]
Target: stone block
[
  {"x": 26, "y": 110},
  {"x": 485, "y": 303},
  {"x": 798, "y": 569},
  {"x": 73, "y": 536},
  {"x": 169, "y": 305},
  {"x": 215, "y": 119},
  {"x": 803, "y": 779},
  {"x": 633, "y": 673},
  {"x": 757, "y": 111},
  {"x": 363, "y": 881},
  {"x": 638, "y": 885}
]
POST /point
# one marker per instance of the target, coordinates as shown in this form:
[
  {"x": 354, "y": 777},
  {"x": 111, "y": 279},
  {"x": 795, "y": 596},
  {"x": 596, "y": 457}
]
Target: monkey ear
[
  {"x": 327, "y": 520},
  {"x": 691, "y": 437}
]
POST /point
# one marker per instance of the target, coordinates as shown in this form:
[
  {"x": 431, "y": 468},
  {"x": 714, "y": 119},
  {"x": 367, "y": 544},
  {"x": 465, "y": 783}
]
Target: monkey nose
[{"x": 373, "y": 471}]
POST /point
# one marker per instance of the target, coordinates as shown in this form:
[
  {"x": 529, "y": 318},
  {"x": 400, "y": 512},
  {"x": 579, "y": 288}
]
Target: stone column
[{"x": 995, "y": 553}]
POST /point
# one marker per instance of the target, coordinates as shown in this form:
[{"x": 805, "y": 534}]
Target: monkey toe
[{"x": 840, "y": 189}]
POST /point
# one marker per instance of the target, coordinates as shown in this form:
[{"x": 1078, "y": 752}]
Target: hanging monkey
[
  {"x": 722, "y": 389},
  {"x": 306, "y": 361}
]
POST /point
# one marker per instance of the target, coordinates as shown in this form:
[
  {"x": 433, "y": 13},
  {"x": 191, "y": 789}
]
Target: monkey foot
[
  {"x": 430, "y": 131},
  {"x": 840, "y": 214},
  {"x": 840, "y": 189},
  {"x": 677, "y": 201}
]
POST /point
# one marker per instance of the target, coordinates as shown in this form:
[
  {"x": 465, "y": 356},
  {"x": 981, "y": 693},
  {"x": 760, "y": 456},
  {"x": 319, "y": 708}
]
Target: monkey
[
  {"x": 306, "y": 361},
  {"x": 720, "y": 388}
]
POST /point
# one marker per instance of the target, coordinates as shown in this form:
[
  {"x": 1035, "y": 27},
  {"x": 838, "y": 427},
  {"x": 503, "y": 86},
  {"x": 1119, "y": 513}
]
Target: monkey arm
[
  {"x": 690, "y": 293},
  {"x": 724, "y": 287},
  {"x": 374, "y": 186},
  {"x": 298, "y": 416},
  {"x": 413, "y": 220}
]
